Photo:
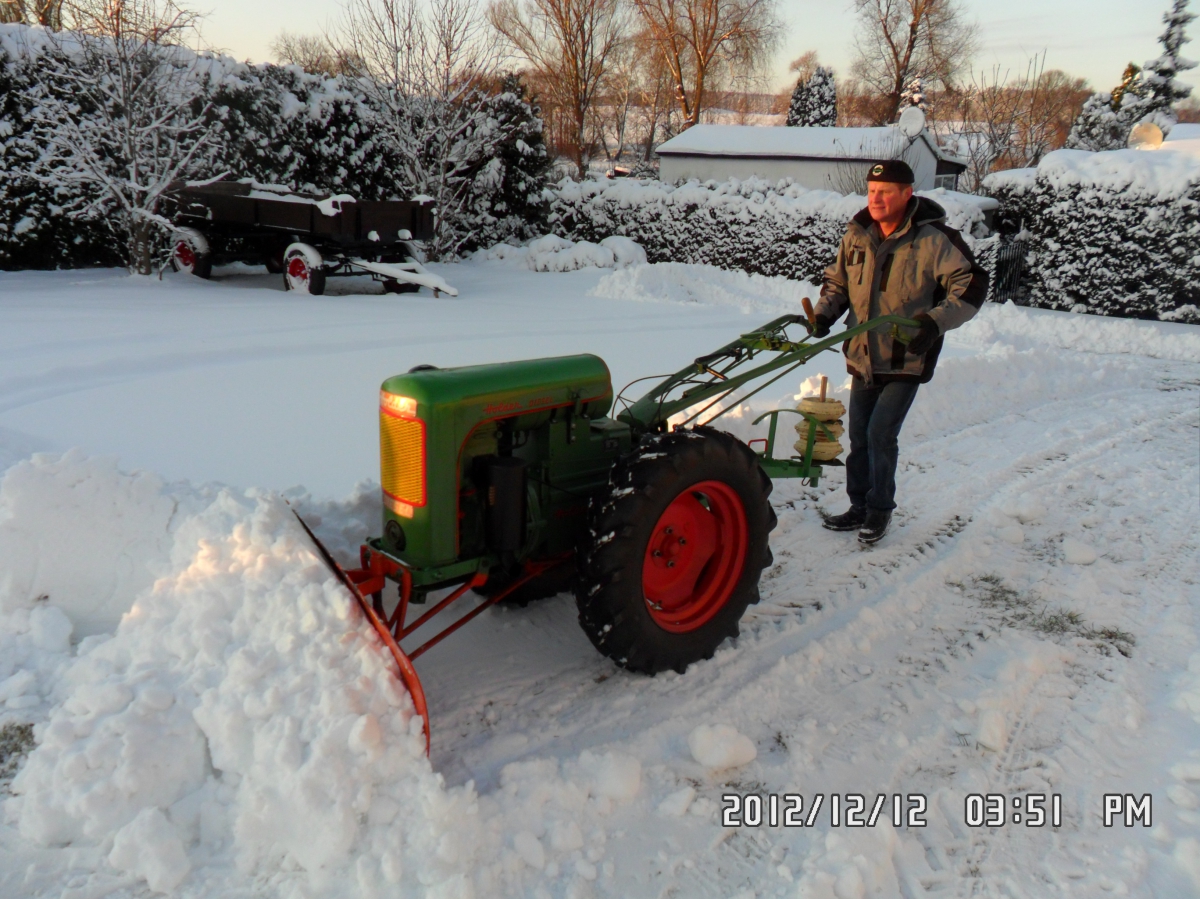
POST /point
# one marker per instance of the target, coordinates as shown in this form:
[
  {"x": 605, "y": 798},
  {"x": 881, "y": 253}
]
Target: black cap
[{"x": 891, "y": 171}]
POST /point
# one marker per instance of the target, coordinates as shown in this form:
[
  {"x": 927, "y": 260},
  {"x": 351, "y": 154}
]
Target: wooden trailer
[{"x": 307, "y": 238}]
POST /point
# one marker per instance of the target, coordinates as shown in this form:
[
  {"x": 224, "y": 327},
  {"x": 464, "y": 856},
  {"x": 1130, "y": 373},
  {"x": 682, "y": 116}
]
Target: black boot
[
  {"x": 874, "y": 527},
  {"x": 850, "y": 520}
]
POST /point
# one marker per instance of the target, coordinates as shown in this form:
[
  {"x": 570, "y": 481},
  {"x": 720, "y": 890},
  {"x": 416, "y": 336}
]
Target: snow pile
[
  {"x": 674, "y": 282},
  {"x": 1023, "y": 328},
  {"x": 242, "y": 716},
  {"x": 107, "y": 529},
  {"x": 35, "y": 647},
  {"x": 721, "y": 746},
  {"x": 243, "y": 721},
  {"x": 552, "y": 253}
]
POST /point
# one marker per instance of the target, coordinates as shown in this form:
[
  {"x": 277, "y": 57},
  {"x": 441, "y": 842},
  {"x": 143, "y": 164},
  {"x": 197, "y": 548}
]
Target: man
[{"x": 898, "y": 257}]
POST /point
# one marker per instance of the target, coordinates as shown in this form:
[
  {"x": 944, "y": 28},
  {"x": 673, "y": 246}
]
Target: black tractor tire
[{"x": 617, "y": 562}]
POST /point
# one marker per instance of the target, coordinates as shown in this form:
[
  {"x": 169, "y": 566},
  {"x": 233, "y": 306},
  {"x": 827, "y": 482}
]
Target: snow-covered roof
[{"x": 795, "y": 143}]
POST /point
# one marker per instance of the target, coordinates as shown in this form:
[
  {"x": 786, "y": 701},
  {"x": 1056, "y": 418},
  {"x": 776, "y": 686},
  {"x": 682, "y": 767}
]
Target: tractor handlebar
[{"x": 652, "y": 411}]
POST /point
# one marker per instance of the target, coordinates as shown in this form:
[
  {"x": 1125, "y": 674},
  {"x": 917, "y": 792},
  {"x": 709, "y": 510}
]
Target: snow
[
  {"x": 1166, "y": 172},
  {"x": 552, "y": 253},
  {"x": 721, "y": 746},
  {"x": 149, "y": 848},
  {"x": 213, "y": 719},
  {"x": 801, "y": 142}
]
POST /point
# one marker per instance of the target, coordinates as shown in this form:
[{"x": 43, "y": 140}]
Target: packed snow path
[{"x": 1029, "y": 626}]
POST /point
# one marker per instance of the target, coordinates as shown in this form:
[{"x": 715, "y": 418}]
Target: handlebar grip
[{"x": 808, "y": 310}]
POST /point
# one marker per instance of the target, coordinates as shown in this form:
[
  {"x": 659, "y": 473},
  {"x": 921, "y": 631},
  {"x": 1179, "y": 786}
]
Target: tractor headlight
[{"x": 401, "y": 454}]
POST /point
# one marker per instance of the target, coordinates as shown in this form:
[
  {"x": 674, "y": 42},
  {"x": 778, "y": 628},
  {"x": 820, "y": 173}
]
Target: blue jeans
[{"x": 876, "y": 414}]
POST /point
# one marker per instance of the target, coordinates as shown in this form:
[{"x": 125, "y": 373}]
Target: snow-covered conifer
[
  {"x": 1162, "y": 88},
  {"x": 914, "y": 95},
  {"x": 814, "y": 101},
  {"x": 1106, "y": 118},
  {"x": 1097, "y": 127},
  {"x": 509, "y": 186}
]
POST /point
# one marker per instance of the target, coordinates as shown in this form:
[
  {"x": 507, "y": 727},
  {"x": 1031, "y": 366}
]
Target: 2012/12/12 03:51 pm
[{"x": 852, "y": 810}]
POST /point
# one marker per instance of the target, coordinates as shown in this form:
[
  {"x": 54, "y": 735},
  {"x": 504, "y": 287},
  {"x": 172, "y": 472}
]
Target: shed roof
[{"x": 796, "y": 143}]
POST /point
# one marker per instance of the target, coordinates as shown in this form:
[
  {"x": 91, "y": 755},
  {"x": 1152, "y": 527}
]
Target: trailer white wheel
[
  {"x": 303, "y": 269},
  {"x": 190, "y": 253}
]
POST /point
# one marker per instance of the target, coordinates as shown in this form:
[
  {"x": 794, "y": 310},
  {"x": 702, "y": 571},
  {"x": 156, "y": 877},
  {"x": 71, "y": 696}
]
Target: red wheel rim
[
  {"x": 297, "y": 269},
  {"x": 695, "y": 557},
  {"x": 185, "y": 256}
]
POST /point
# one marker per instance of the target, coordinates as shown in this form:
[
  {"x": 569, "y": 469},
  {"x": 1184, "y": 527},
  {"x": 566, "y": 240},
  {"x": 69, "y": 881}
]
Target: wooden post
[{"x": 824, "y": 384}]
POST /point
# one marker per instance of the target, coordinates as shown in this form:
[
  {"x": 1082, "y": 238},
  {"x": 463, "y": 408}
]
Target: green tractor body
[
  {"x": 496, "y": 476},
  {"x": 531, "y": 437}
]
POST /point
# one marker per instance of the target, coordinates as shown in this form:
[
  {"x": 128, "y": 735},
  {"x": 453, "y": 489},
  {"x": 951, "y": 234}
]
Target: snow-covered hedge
[
  {"x": 276, "y": 124},
  {"x": 755, "y": 226},
  {"x": 1113, "y": 233}
]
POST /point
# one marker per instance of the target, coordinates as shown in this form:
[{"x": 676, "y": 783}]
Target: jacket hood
[{"x": 921, "y": 211}]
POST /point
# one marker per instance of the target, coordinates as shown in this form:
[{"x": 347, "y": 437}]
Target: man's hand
[
  {"x": 820, "y": 326},
  {"x": 925, "y": 339}
]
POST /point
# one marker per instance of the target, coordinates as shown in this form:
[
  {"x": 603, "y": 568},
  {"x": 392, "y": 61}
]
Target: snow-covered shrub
[
  {"x": 754, "y": 226},
  {"x": 277, "y": 125},
  {"x": 552, "y": 253},
  {"x": 119, "y": 116},
  {"x": 35, "y": 232},
  {"x": 1113, "y": 233}
]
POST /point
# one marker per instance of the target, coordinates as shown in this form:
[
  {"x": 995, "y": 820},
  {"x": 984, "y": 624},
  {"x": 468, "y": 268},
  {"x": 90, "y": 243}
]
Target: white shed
[{"x": 818, "y": 158}]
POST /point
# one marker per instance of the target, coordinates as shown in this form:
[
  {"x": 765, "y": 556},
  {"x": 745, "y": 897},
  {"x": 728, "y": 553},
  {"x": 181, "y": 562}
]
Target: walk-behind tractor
[{"x": 514, "y": 481}]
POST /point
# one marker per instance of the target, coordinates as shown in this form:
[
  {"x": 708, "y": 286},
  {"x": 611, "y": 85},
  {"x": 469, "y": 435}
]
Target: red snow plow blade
[
  {"x": 370, "y": 580},
  {"x": 351, "y": 580}
]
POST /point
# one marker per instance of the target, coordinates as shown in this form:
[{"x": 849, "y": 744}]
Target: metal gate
[{"x": 1010, "y": 263}]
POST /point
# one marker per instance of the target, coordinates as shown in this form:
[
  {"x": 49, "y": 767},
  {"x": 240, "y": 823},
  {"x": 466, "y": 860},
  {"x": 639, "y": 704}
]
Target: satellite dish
[
  {"x": 912, "y": 122},
  {"x": 1145, "y": 136}
]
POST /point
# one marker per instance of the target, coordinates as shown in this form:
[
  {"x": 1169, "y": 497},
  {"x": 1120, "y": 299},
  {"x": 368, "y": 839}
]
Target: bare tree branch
[
  {"x": 122, "y": 113},
  {"x": 423, "y": 69},
  {"x": 899, "y": 40},
  {"x": 704, "y": 43},
  {"x": 570, "y": 45}
]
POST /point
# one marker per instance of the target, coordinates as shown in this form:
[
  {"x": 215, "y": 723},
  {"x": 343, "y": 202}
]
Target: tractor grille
[{"x": 402, "y": 456}]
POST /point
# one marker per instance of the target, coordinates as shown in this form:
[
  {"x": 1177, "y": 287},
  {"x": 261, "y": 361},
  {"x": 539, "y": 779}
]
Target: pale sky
[{"x": 1090, "y": 38}]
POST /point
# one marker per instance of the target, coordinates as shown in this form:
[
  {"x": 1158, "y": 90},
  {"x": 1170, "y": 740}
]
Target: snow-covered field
[{"x": 1030, "y": 626}]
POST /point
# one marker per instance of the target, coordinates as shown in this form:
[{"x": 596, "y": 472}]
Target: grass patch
[
  {"x": 1012, "y": 608},
  {"x": 15, "y": 742}
]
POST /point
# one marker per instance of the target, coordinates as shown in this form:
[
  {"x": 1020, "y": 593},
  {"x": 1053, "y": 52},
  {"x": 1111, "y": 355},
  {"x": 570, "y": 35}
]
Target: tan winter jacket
[{"x": 923, "y": 267}]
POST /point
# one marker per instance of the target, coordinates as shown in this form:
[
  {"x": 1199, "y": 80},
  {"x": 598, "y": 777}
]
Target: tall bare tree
[
  {"x": 426, "y": 65},
  {"x": 1003, "y": 122},
  {"x": 126, "y": 116},
  {"x": 47, "y": 13},
  {"x": 899, "y": 40},
  {"x": 314, "y": 53},
  {"x": 571, "y": 46},
  {"x": 707, "y": 43}
]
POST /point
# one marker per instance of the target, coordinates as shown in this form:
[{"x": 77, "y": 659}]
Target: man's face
[{"x": 887, "y": 202}]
